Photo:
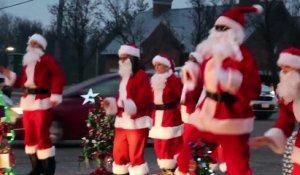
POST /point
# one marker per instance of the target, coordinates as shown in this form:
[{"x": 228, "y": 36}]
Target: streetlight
[{"x": 10, "y": 49}]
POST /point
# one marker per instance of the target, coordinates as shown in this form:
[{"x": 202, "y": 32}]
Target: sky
[{"x": 37, "y": 10}]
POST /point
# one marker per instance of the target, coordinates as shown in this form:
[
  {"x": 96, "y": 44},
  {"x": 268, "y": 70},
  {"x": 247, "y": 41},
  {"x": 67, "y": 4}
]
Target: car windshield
[{"x": 265, "y": 88}]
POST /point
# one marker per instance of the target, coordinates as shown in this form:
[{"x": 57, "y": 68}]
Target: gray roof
[{"x": 179, "y": 20}]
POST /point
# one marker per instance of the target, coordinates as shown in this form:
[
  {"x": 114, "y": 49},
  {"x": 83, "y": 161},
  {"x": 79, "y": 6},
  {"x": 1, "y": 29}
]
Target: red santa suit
[
  {"x": 231, "y": 80},
  {"x": 167, "y": 125},
  {"x": 43, "y": 80},
  {"x": 133, "y": 108},
  {"x": 289, "y": 107}
]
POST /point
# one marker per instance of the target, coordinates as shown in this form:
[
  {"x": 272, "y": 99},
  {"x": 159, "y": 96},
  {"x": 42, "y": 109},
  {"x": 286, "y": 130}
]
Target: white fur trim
[
  {"x": 279, "y": 138},
  {"x": 159, "y": 132},
  {"x": 126, "y": 122},
  {"x": 112, "y": 107},
  {"x": 237, "y": 27},
  {"x": 296, "y": 109},
  {"x": 38, "y": 38},
  {"x": 286, "y": 59},
  {"x": 130, "y": 107},
  {"x": 223, "y": 167},
  {"x": 56, "y": 98},
  {"x": 204, "y": 120},
  {"x": 11, "y": 80},
  {"x": 161, "y": 60},
  {"x": 139, "y": 169},
  {"x": 166, "y": 163},
  {"x": 184, "y": 114},
  {"x": 230, "y": 80},
  {"x": 125, "y": 49},
  {"x": 120, "y": 169},
  {"x": 46, "y": 153},
  {"x": 295, "y": 155},
  {"x": 30, "y": 69},
  {"x": 30, "y": 149},
  {"x": 30, "y": 103},
  {"x": 259, "y": 8}
]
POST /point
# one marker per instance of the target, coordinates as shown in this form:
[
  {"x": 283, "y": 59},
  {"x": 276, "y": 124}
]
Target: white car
[{"x": 266, "y": 104}]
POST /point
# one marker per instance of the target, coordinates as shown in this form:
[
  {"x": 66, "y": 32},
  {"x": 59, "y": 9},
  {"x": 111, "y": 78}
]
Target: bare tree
[{"x": 293, "y": 6}]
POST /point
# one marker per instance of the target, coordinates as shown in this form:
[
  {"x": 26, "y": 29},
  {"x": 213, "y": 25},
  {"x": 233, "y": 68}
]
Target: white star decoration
[{"x": 89, "y": 97}]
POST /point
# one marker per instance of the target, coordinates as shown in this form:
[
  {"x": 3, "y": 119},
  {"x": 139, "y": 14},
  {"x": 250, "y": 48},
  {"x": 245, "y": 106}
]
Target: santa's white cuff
[
  {"x": 295, "y": 155},
  {"x": 130, "y": 107},
  {"x": 279, "y": 139},
  {"x": 111, "y": 109},
  {"x": 56, "y": 98},
  {"x": 230, "y": 79},
  {"x": 11, "y": 80}
]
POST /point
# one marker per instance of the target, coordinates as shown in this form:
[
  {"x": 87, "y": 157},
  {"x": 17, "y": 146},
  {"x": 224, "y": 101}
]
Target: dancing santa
[
  {"x": 133, "y": 109},
  {"x": 288, "y": 91},
  {"x": 43, "y": 81},
  {"x": 230, "y": 81},
  {"x": 167, "y": 125}
]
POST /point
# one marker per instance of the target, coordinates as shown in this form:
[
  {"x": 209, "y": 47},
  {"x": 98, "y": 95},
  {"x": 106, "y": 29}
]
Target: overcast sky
[{"x": 38, "y": 9}]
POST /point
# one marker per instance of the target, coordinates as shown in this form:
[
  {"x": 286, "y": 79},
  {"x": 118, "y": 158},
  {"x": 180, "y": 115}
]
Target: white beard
[
  {"x": 289, "y": 85},
  {"x": 32, "y": 56},
  {"x": 220, "y": 45},
  {"x": 158, "y": 81},
  {"x": 125, "y": 68}
]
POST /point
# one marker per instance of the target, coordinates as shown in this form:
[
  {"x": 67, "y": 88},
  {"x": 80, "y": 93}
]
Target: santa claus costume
[
  {"x": 231, "y": 80},
  {"x": 288, "y": 91},
  {"x": 133, "y": 108},
  {"x": 43, "y": 81},
  {"x": 167, "y": 125}
]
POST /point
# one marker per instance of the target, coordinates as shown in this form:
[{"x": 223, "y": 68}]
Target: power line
[{"x": 20, "y": 3}]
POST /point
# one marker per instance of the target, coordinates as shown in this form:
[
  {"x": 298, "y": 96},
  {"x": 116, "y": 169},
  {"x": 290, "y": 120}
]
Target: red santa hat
[
  {"x": 38, "y": 38},
  {"x": 165, "y": 60},
  {"x": 197, "y": 56},
  {"x": 234, "y": 17},
  {"x": 289, "y": 57},
  {"x": 129, "y": 49}
]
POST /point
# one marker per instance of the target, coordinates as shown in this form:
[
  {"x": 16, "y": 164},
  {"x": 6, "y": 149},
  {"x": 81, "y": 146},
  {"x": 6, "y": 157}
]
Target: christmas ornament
[{"x": 89, "y": 97}]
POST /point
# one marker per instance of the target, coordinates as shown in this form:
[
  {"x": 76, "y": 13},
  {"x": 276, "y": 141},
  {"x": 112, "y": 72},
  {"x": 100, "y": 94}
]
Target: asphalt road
[{"x": 263, "y": 161}]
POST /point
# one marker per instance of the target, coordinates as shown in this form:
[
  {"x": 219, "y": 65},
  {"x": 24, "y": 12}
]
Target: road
[{"x": 263, "y": 161}]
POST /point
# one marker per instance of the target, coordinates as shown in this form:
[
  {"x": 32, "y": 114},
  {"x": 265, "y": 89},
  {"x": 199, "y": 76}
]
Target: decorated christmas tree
[
  {"x": 7, "y": 135},
  {"x": 98, "y": 144},
  {"x": 200, "y": 165}
]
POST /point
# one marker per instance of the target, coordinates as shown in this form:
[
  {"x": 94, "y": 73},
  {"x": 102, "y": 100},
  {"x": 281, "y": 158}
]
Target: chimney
[{"x": 161, "y": 6}]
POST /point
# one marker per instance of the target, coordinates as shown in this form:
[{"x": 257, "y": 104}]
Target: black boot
[
  {"x": 49, "y": 166},
  {"x": 36, "y": 164}
]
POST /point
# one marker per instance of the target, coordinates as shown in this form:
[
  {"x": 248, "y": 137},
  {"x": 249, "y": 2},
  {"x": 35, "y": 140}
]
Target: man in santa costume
[
  {"x": 231, "y": 80},
  {"x": 43, "y": 81},
  {"x": 288, "y": 91},
  {"x": 167, "y": 125},
  {"x": 133, "y": 109}
]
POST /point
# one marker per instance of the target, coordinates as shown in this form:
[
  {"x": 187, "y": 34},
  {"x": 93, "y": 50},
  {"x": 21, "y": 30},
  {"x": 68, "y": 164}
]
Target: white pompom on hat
[
  {"x": 38, "y": 38},
  {"x": 289, "y": 57},
  {"x": 129, "y": 49}
]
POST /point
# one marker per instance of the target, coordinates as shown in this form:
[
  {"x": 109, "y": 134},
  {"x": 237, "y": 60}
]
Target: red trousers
[
  {"x": 37, "y": 136},
  {"x": 235, "y": 150},
  {"x": 128, "y": 151},
  {"x": 166, "y": 150}
]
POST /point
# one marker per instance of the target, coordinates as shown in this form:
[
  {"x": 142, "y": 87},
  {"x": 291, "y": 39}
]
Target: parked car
[{"x": 266, "y": 104}]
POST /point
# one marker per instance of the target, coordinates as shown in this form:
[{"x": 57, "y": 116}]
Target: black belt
[
  {"x": 222, "y": 97},
  {"x": 37, "y": 91},
  {"x": 166, "y": 106}
]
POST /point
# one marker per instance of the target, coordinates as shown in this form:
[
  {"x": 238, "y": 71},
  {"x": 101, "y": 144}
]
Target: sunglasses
[{"x": 221, "y": 28}]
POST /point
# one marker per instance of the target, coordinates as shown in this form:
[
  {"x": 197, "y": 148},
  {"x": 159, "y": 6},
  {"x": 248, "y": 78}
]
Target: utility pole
[{"x": 57, "y": 51}]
